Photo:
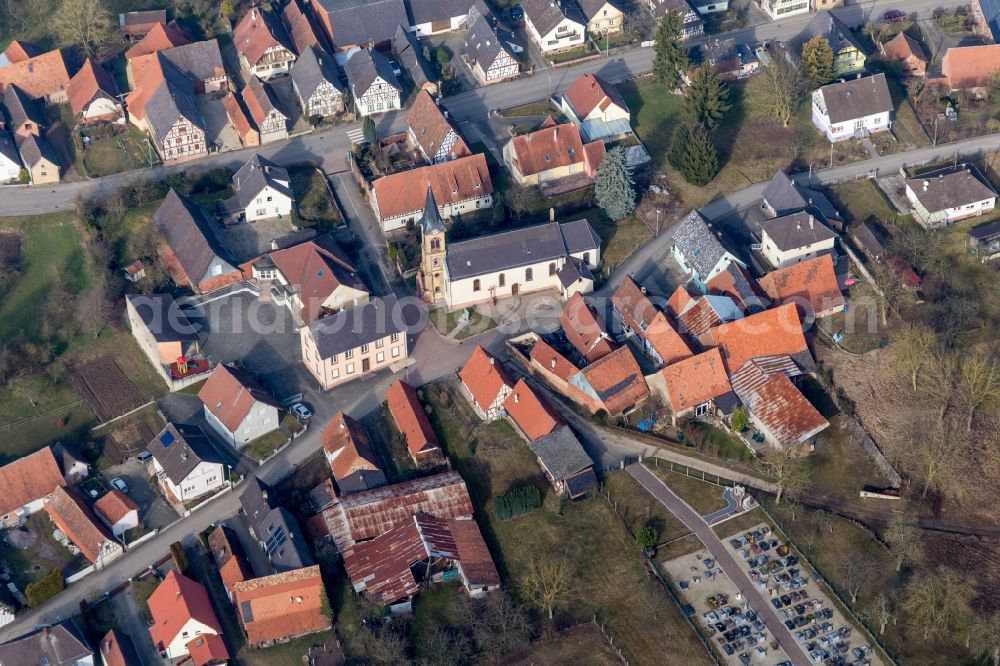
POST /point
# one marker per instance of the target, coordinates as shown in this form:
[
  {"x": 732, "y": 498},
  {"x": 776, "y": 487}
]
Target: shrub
[
  {"x": 44, "y": 589},
  {"x": 516, "y": 502},
  {"x": 647, "y": 537},
  {"x": 180, "y": 556}
]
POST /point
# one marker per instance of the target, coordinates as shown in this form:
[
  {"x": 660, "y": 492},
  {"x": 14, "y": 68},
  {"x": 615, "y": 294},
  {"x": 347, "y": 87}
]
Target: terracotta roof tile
[
  {"x": 28, "y": 478},
  {"x": 207, "y": 649},
  {"x": 736, "y": 283},
  {"x": 483, "y": 375},
  {"x": 452, "y": 181},
  {"x": 160, "y": 38},
  {"x": 695, "y": 380},
  {"x": 410, "y": 418},
  {"x": 176, "y": 600},
  {"x": 87, "y": 83},
  {"x": 970, "y": 66},
  {"x": 230, "y": 394},
  {"x": 347, "y": 447},
  {"x": 430, "y": 128},
  {"x": 257, "y": 32},
  {"x": 114, "y": 506},
  {"x": 300, "y": 27},
  {"x": 774, "y": 400},
  {"x": 547, "y": 148},
  {"x": 665, "y": 340},
  {"x": 811, "y": 284},
  {"x": 771, "y": 332},
  {"x": 225, "y": 548},
  {"x": 117, "y": 650},
  {"x": 584, "y": 330},
  {"x": 41, "y": 76},
  {"x": 905, "y": 49},
  {"x": 19, "y": 50},
  {"x": 531, "y": 412},
  {"x": 589, "y": 91},
  {"x": 237, "y": 116},
  {"x": 635, "y": 308},
  {"x": 678, "y": 301},
  {"x": 77, "y": 523},
  {"x": 593, "y": 155},
  {"x": 281, "y": 606},
  {"x": 617, "y": 381},
  {"x": 544, "y": 355}
]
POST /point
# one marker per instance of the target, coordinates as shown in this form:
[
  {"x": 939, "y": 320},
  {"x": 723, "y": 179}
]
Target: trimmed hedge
[
  {"x": 516, "y": 502},
  {"x": 44, "y": 589}
]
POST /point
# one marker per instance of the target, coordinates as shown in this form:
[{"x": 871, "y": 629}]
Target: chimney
[
  {"x": 45, "y": 632},
  {"x": 926, "y": 184},
  {"x": 517, "y": 398},
  {"x": 178, "y": 594},
  {"x": 552, "y": 214},
  {"x": 492, "y": 361},
  {"x": 263, "y": 494},
  {"x": 811, "y": 226},
  {"x": 553, "y": 364}
]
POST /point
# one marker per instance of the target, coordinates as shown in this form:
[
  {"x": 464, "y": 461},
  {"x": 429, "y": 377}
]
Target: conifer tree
[
  {"x": 671, "y": 55},
  {"x": 706, "y": 100},
  {"x": 817, "y": 62},
  {"x": 614, "y": 188}
]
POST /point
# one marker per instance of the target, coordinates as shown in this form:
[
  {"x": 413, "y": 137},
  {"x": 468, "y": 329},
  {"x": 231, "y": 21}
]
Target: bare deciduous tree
[
  {"x": 903, "y": 536},
  {"x": 937, "y": 605},
  {"x": 788, "y": 469},
  {"x": 880, "y": 611},
  {"x": 856, "y": 571},
  {"x": 912, "y": 351},
  {"x": 988, "y": 633},
  {"x": 978, "y": 384},
  {"x": 385, "y": 646},
  {"x": 497, "y": 624},
  {"x": 547, "y": 583},
  {"x": 84, "y": 23},
  {"x": 776, "y": 89},
  {"x": 936, "y": 451}
]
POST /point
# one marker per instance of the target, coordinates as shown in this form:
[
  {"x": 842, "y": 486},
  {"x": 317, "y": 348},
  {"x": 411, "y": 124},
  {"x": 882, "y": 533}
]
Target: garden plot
[{"x": 106, "y": 389}]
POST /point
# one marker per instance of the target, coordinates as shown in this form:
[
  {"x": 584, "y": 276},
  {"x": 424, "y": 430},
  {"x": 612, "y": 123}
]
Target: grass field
[
  {"x": 861, "y": 201},
  {"x": 638, "y": 508},
  {"x": 282, "y": 654},
  {"x": 314, "y": 206},
  {"x": 115, "y": 154},
  {"x": 586, "y": 534},
  {"x": 582, "y": 644},
  {"x": 702, "y": 496},
  {"x": 445, "y": 322},
  {"x": 265, "y": 445},
  {"x": 44, "y": 555}
]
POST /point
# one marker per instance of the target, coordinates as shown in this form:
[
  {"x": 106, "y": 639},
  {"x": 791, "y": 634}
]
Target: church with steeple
[{"x": 559, "y": 257}]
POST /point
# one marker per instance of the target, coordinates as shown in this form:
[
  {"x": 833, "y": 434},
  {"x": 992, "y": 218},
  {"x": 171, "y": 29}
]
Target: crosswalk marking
[{"x": 356, "y": 135}]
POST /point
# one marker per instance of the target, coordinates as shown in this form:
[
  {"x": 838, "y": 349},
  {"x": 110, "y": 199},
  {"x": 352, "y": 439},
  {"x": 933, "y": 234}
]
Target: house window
[
  {"x": 701, "y": 409},
  {"x": 435, "y": 243},
  {"x": 502, "y": 280},
  {"x": 349, "y": 353},
  {"x": 350, "y": 368},
  {"x": 552, "y": 268},
  {"x": 333, "y": 359},
  {"x": 586, "y": 258},
  {"x": 395, "y": 352},
  {"x": 379, "y": 343},
  {"x": 380, "y": 357},
  {"x": 364, "y": 349},
  {"x": 528, "y": 275},
  {"x": 475, "y": 285},
  {"x": 394, "y": 338}
]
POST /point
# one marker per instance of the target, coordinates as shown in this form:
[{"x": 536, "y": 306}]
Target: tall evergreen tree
[
  {"x": 817, "y": 62},
  {"x": 671, "y": 55},
  {"x": 695, "y": 156},
  {"x": 678, "y": 146},
  {"x": 614, "y": 188},
  {"x": 706, "y": 100},
  {"x": 368, "y": 130}
]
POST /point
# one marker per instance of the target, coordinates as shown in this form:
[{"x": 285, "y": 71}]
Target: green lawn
[
  {"x": 638, "y": 508},
  {"x": 314, "y": 205},
  {"x": 572, "y": 54},
  {"x": 702, "y": 496},
  {"x": 265, "y": 445},
  {"x": 282, "y": 654},
  {"x": 740, "y": 523},
  {"x": 718, "y": 443},
  {"x": 116, "y": 153},
  {"x": 540, "y": 108},
  {"x": 861, "y": 201},
  {"x": 38, "y": 560},
  {"x": 445, "y": 322},
  {"x": 586, "y": 534}
]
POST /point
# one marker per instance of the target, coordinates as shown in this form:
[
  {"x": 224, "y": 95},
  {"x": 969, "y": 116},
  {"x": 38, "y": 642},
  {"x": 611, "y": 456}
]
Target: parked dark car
[
  {"x": 894, "y": 16},
  {"x": 516, "y": 14}
]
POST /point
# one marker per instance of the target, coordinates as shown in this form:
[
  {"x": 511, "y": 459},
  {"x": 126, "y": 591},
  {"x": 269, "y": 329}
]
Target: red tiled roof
[
  {"x": 903, "y": 48},
  {"x": 531, "y": 412},
  {"x": 300, "y": 29},
  {"x": 281, "y": 606},
  {"x": 253, "y": 35},
  {"x": 160, "y": 38},
  {"x": 207, "y": 649},
  {"x": 547, "y": 148},
  {"x": 970, "y": 66},
  {"x": 40, "y": 76},
  {"x": 678, "y": 301},
  {"x": 452, "y": 181},
  {"x": 142, "y": 21},
  {"x": 769, "y": 333},
  {"x": 811, "y": 283},
  {"x": 695, "y": 380},
  {"x": 237, "y": 116},
  {"x": 114, "y": 506},
  {"x": 315, "y": 272},
  {"x": 584, "y": 330},
  {"x": 230, "y": 394},
  {"x": 410, "y": 418},
  {"x": 347, "y": 440},
  {"x": 588, "y": 92},
  {"x": 111, "y": 650},
  {"x": 724, "y": 284},
  {"x": 665, "y": 340},
  {"x": 543, "y": 354},
  {"x": 617, "y": 380},
  {"x": 430, "y": 128},
  {"x": 27, "y": 479},
  {"x": 19, "y": 50},
  {"x": 699, "y": 317},
  {"x": 223, "y": 544},
  {"x": 85, "y": 84},
  {"x": 77, "y": 523},
  {"x": 633, "y": 305},
  {"x": 593, "y": 155},
  {"x": 775, "y": 401},
  {"x": 484, "y": 376},
  {"x": 176, "y": 600},
  {"x": 473, "y": 554}
]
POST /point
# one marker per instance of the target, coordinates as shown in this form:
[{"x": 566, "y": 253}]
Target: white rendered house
[{"x": 852, "y": 108}]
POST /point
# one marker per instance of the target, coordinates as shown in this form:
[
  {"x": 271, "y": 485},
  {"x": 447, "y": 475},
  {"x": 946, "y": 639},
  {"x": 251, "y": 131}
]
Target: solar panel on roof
[
  {"x": 275, "y": 541},
  {"x": 247, "y": 611},
  {"x": 167, "y": 439}
]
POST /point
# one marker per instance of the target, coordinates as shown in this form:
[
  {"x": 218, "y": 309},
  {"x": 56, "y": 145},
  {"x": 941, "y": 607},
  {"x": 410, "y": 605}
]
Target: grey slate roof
[
  {"x": 172, "y": 100},
  {"x": 786, "y": 196},
  {"x": 311, "y": 69},
  {"x": 591, "y": 7},
  {"x": 58, "y": 645},
  {"x": 797, "y": 230},
  {"x": 701, "y": 249},
  {"x": 8, "y": 149},
  {"x": 201, "y": 60},
  {"x": 857, "y": 98},
  {"x": 431, "y": 219},
  {"x": 546, "y": 14},
  {"x": 179, "y": 448},
  {"x": 825, "y": 24},
  {"x": 364, "y": 66},
  {"x": 256, "y": 174},
  {"x": 189, "y": 234},
  {"x": 410, "y": 55},
  {"x": 950, "y": 190},
  {"x": 428, "y": 11},
  {"x": 257, "y": 501},
  {"x": 574, "y": 270},
  {"x": 34, "y": 148},
  {"x": 561, "y": 453},
  {"x": 518, "y": 247},
  {"x": 988, "y": 231},
  {"x": 349, "y": 329},
  {"x": 21, "y": 107},
  {"x": 163, "y": 316},
  {"x": 282, "y": 540},
  {"x": 482, "y": 42},
  {"x": 360, "y": 22}
]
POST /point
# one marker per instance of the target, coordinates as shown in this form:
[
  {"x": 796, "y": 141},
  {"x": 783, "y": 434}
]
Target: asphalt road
[
  {"x": 723, "y": 558},
  {"x": 330, "y": 146}
]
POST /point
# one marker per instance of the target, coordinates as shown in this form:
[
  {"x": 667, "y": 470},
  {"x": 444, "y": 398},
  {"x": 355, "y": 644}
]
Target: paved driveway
[
  {"x": 131, "y": 622},
  {"x": 704, "y": 532},
  {"x": 154, "y": 512}
]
